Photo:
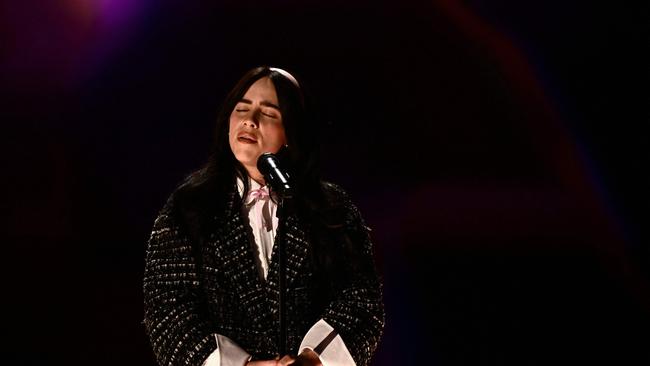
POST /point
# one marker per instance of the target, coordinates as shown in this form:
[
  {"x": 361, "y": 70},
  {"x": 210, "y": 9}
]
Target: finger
[
  {"x": 263, "y": 363},
  {"x": 287, "y": 360}
]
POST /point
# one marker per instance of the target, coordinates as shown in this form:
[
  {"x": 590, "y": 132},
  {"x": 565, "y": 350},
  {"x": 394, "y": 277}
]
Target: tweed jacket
[{"x": 201, "y": 282}]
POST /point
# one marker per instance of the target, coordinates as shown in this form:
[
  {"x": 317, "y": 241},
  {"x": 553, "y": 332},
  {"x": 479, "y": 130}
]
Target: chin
[{"x": 247, "y": 157}]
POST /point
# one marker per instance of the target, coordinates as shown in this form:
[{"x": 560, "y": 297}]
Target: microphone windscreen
[{"x": 267, "y": 162}]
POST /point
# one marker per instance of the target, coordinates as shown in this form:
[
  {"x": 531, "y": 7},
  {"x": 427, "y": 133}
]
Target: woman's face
[{"x": 256, "y": 125}]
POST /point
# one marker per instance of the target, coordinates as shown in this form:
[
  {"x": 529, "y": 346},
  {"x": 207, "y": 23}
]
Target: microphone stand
[
  {"x": 284, "y": 206},
  {"x": 269, "y": 165}
]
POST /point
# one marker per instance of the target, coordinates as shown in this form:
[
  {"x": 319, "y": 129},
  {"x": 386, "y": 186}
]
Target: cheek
[
  {"x": 279, "y": 137},
  {"x": 232, "y": 123},
  {"x": 273, "y": 139}
]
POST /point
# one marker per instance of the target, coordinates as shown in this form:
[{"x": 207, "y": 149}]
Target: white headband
[{"x": 286, "y": 74}]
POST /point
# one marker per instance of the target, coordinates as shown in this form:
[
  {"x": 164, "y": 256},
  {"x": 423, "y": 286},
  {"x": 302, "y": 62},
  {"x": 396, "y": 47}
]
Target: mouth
[{"x": 246, "y": 138}]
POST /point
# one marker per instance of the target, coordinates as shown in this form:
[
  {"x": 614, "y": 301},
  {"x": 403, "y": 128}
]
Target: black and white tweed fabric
[{"x": 196, "y": 287}]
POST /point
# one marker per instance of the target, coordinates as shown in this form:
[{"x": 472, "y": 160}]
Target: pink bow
[
  {"x": 259, "y": 199},
  {"x": 259, "y": 194}
]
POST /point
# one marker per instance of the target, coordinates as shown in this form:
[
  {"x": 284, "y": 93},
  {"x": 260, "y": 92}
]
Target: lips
[{"x": 246, "y": 138}]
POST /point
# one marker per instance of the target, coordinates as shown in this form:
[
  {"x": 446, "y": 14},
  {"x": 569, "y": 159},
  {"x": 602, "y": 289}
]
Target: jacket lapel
[
  {"x": 296, "y": 246},
  {"x": 231, "y": 239}
]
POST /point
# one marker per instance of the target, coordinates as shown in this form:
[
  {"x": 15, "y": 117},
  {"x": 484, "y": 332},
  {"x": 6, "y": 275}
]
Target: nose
[{"x": 251, "y": 120}]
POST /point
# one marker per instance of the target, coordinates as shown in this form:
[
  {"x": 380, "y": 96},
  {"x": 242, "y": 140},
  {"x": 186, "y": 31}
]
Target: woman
[{"x": 211, "y": 271}]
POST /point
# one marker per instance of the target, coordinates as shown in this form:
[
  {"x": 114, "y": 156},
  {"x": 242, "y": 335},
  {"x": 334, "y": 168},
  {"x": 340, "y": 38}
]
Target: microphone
[{"x": 269, "y": 165}]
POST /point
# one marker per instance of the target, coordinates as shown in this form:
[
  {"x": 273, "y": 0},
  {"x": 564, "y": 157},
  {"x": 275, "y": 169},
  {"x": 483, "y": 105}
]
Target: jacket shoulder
[
  {"x": 174, "y": 211},
  {"x": 335, "y": 193},
  {"x": 340, "y": 201}
]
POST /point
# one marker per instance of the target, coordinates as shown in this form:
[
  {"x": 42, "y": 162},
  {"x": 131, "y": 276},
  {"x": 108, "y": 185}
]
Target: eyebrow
[{"x": 264, "y": 103}]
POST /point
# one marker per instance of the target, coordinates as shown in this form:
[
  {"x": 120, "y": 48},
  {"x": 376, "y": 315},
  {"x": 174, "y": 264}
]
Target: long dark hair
[
  {"x": 202, "y": 193},
  {"x": 222, "y": 167}
]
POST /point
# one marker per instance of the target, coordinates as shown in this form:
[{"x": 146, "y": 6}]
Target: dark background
[{"x": 496, "y": 148}]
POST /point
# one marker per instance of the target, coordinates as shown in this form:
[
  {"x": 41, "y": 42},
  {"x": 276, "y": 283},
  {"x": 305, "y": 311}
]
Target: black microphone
[{"x": 269, "y": 165}]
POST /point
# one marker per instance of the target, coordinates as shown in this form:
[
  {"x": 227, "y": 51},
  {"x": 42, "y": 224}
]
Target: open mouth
[{"x": 246, "y": 139}]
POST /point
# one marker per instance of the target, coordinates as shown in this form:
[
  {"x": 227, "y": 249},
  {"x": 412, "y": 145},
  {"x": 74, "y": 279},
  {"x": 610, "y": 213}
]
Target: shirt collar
[{"x": 252, "y": 184}]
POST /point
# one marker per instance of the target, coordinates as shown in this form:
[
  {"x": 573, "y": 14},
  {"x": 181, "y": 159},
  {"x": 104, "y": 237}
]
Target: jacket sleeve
[
  {"x": 174, "y": 313},
  {"x": 357, "y": 313}
]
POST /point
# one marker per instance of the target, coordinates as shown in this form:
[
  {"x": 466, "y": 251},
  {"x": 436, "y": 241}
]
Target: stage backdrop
[{"x": 496, "y": 149}]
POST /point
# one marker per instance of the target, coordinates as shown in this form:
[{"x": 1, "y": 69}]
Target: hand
[
  {"x": 308, "y": 358},
  {"x": 284, "y": 361}
]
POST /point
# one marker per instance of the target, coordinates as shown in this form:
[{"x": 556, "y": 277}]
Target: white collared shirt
[{"x": 264, "y": 224}]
